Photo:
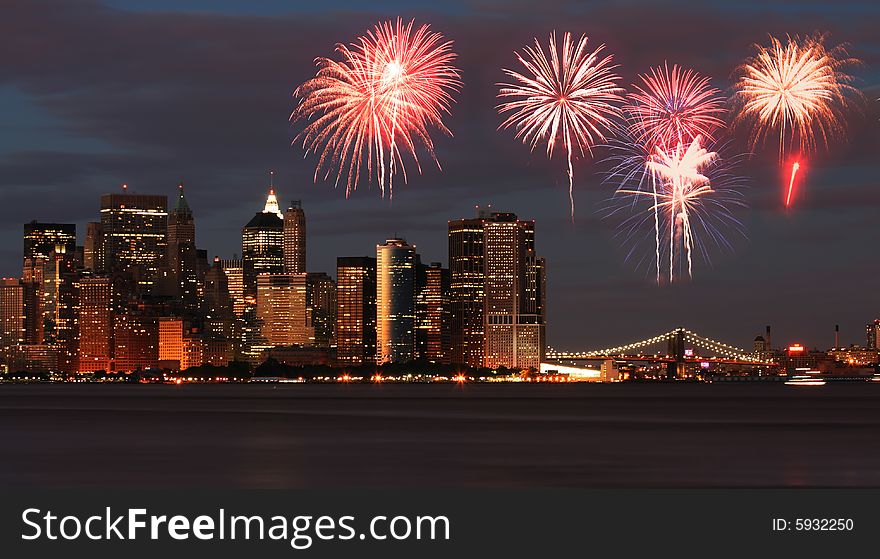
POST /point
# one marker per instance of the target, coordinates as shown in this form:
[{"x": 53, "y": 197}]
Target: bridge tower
[{"x": 676, "y": 369}]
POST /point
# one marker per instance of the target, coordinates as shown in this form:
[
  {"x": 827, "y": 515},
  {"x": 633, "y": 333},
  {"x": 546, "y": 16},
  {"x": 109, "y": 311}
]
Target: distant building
[
  {"x": 514, "y": 294},
  {"x": 135, "y": 342},
  {"x": 467, "y": 285},
  {"x": 235, "y": 281},
  {"x": 216, "y": 302},
  {"x": 40, "y": 239},
  {"x": 95, "y": 324},
  {"x": 295, "y": 239},
  {"x": 296, "y": 309},
  {"x": 395, "y": 301},
  {"x": 135, "y": 236},
  {"x": 11, "y": 318},
  {"x": 433, "y": 341},
  {"x": 93, "y": 248},
  {"x": 355, "y": 310},
  {"x": 262, "y": 249},
  {"x": 299, "y": 356},
  {"x": 182, "y": 257},
  {"x": 872, "y": 333}
]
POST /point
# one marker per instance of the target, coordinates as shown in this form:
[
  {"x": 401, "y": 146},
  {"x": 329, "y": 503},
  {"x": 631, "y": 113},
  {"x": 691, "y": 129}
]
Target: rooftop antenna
[{"x": 271, "y": 180}]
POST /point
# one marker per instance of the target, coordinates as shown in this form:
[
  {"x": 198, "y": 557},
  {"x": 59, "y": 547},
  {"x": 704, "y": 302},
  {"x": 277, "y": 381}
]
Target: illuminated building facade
[
  {"x": 498, "y": 292},
  {"x": 135, "y": 342},
  {"x": 467, "y": 279},
  {"x": 93, "y": 248},
  {"x": 282, "y": 309},
  {"x": 217, "y": 304},
  {"x": 262, "y": 249},
  {"x": 321, "y": 301},
  {"x": 135, "y": 236},
  {"x": 11, "y": 317},
  {"x": 295, "y": 239},
  {"x": 872, "y": 334},
  {"x": 433, "y": 341},
  {"x": 182, "y": 253},
  {"x": 95, "y": 324},
  {"x": 396, "y": 262},
  {"x": 40, "y": 239},
  {"x": 234, "y": 272},
  {"x": 355, "y": 310}
]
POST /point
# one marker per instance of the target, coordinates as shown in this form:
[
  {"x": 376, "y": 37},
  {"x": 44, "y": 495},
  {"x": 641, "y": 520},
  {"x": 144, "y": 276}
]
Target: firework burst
[
  {"x": 377, "y": 104},
  {"x": 684, "y": 194},
  {"x": 569, "y": 95},
  {"x": 675, "y": 106},
  {"x": 797, "y": 89}
]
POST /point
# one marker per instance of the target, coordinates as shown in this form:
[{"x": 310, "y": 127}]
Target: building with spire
[
  {"x": 182, "y": 257},
  {"x": 262, "y": 246},
  {"x": 295, "y": 239}
]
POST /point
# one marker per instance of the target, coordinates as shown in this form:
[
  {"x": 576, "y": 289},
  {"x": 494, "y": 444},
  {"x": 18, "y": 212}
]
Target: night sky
[{"x": 151, "y": 93}]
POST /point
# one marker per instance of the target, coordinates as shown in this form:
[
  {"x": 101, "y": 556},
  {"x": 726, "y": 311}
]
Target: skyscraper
[
  {"x": 497, "y": 289},
  {"x": 40, "y": 239},
  {"x": 135, "y": 235},
  {"x": 295, "y": 239},
  {"x": 432, "y": 315},
  {"x": 355, "y": 310},
  {"x": 95, "y": 324},
  {"x": 182, "y": 252},
  {"x": 93, "y": 248},
  {"x": 395, "y": 301},
  {"x": 11, "y": 318},
  {"x": 321, "y": 301},
  {"x": 262, "y": 249},
  {"x": 217, "y": 304},
  {"x": 466, "y": 289},
  {"x": 514, "y": 324},
  {"x": 282, "y": 308},
  {"x": 235, "y": 281}
]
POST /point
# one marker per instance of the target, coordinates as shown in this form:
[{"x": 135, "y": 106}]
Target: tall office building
[
  {"x": 466, "y": 289},
  {"x": 59, "y": 299},
  {"x": 395, "y": 301},
  {"x": 182, "y": 257},
  {"x": 11, "y": 318},
  {"x": 497, "y": 288},
  {"x": 93, "y": 248},
  {"x": 433, "y": 342},
  {"x": 32, "y": 292},
  {"x": 235, "y": 282},
  {"x": 295, "y": 239},
  {"x": 262, "y": 245},
  {"x": 135, "y": 236},
  {"x": 514, "y": 324},
  {"x": 282, "y": 308},
  {"x": 355, "y": 310},
  {"x": 40, "y": 239},
  {"x": 217, "y": 304},
  {"x": 95, "y": 324},
  {"x": 135, "y": 342},
  {"x": 872, "y": 334},
  {"x": 321, "y": 301}
]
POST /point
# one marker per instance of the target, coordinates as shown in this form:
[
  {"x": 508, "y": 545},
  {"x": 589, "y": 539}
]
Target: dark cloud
[{"x": 151, "y": 95}]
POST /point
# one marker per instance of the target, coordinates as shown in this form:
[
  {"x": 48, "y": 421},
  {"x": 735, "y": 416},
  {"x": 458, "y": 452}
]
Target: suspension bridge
[{"x": 677, "y": 348}]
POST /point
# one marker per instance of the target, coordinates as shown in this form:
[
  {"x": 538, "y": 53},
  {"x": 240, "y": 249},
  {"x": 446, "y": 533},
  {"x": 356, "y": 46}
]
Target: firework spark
[
  {"x": 569, "y": 95},
  {"x": 672, "y": 107},
  {"x": 798, "y": 88},
  {"x": 691, "y": 193},
  {"x": 377, "y": 104}
]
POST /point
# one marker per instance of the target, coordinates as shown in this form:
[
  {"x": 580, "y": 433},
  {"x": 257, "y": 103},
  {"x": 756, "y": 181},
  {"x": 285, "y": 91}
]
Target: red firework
[
  {"x": 674, "y": 107},
  {"x": 378, "y": 103}
]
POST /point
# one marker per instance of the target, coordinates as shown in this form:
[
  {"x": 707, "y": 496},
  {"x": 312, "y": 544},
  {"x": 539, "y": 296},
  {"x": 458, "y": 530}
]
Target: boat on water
[{"x": 806, "y": 377}]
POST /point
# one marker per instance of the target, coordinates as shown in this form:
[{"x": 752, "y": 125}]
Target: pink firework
[
  {"x": 673, "y": 107},
  {"x": 569, "y": 95},
  {"x": 378, "y": 103}
]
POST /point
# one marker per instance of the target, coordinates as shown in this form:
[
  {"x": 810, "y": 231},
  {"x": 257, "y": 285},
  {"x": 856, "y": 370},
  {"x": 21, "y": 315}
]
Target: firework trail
[
  {"x": 691, "y": 192},
  {"x": 377, "y": 104},
  {"x": 670, "y": 115},
  {"x": 569, "y": 95},
  {"x": 797, "y": 88},
  {"x": 794, "y": 170}
]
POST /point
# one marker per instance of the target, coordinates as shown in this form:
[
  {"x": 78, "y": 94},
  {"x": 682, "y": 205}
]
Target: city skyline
[{"x": 815, "y": 255}]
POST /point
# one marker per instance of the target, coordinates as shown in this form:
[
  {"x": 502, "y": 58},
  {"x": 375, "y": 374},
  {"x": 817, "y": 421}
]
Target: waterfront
[{"x": 508, "y": 435}]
